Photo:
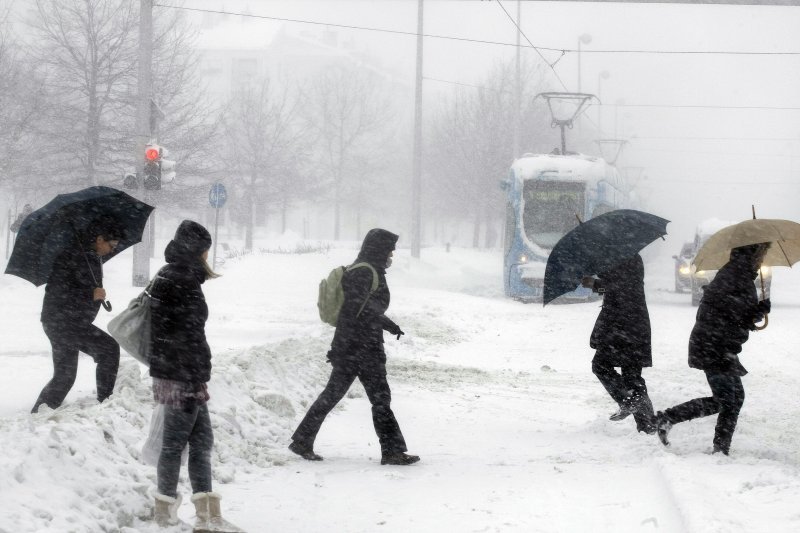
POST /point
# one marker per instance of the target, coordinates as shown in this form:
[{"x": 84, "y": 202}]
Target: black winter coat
[
  {"x": 726, "y": 314},
  {"x": 69, "y": 293},
  {"x": 179, "y": 350},
  {"x": 621, "y": 333},
  {"x": 361, "y": 334}
]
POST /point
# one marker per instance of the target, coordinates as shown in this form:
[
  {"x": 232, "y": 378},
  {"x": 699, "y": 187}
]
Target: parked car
[{"x": 683, "y": 267}]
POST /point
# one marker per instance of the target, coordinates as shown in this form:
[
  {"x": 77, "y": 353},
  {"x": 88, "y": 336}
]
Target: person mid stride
[
  {"x": 727, "y": 313},
  {"x": 72, "y": 300},
  {"x": 357, "y": 352},
  {"x": 621, "y": 338}
]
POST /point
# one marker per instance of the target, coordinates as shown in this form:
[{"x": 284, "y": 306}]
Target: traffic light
[
  {"x": 152, "y": 167},
  {"x": 167, "y": 167},
  {"x": 130, "y": 181}
]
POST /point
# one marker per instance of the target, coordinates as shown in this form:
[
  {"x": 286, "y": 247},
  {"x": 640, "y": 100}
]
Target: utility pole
[
  {"x": 517, "y": 87},
  {"x": 416, "y": 182},
  {"x": 141, "y": 251}
]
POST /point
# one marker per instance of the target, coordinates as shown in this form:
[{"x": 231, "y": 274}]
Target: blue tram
[{"x": 546, "y": 193}]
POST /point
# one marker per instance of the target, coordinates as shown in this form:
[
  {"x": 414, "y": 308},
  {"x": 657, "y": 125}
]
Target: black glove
[
  {"x": 764, "y": 306},
  {"x": 396, "y": 331}
]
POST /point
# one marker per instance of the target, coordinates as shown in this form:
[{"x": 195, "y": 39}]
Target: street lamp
[
  {"x": 604, "y": 75},
  {"x": 585, "y": 39}
]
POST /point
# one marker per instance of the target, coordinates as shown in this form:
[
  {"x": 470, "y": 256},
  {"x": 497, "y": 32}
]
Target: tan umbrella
[{"x": 784, "y": 235}]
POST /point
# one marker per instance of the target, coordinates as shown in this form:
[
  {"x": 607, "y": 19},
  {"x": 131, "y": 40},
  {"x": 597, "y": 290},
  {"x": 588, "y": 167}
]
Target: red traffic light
[{"x": 152, "y": 154}]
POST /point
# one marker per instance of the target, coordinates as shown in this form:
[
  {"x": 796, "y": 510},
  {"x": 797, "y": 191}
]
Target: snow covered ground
[{"x": 497, "y": 397}]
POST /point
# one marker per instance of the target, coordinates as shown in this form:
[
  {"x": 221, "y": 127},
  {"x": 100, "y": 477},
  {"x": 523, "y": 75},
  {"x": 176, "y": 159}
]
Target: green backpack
[{"x": 331, "y": 294}]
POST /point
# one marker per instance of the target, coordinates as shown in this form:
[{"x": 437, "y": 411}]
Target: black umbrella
[
  {"x": 61, "y": 223},
  {"x": 596, "y": 246}
]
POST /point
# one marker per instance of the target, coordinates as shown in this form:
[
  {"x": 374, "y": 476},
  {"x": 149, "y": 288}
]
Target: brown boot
[
  {"x": 209, "y": 516},
  {"x": 166, "y": 510}
]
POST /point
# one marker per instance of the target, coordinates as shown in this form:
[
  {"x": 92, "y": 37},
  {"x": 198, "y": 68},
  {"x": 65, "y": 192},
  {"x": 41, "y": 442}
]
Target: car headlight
[
  {"x": 765, "y": 270},
  {"x": 684, "y": 270},
  {"x": 700, "y": 273}
]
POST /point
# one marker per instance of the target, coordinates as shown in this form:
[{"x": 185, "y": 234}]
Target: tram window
[
  {"x": 550, "y": 209},
  {"x": 511, "y": 226}
]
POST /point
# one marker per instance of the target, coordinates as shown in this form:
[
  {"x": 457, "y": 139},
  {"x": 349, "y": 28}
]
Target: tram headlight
[{"x": 523, "y": 258}]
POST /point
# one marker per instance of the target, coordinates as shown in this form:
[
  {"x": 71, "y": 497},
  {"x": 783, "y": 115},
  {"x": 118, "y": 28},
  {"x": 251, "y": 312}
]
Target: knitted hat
[{"x": 193, "y": 237}]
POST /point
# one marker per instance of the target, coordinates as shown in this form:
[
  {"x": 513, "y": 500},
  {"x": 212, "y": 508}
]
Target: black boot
[
  {"x": 663, "y": 426},
  {"x": 399, "y": 459},
  {"x": 630, "y": 404},
  {"x": 306, "y": 452}
]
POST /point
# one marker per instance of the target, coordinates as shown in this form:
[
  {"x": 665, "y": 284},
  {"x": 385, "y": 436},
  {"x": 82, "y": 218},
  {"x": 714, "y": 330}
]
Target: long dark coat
[
  {"x": 621, "y": 333},
  {"x": 357, "y": 334},
  {"x": 69, "y": 293},
  {"x": 726, "y": 314},
  {"x": 179, "y": 350}
]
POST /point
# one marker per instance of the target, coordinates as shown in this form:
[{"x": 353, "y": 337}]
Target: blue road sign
[{"x": 217, "y": 195}]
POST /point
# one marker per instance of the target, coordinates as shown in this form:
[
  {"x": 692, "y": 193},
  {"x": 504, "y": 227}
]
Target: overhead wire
[{"x": 538, "y": 48}]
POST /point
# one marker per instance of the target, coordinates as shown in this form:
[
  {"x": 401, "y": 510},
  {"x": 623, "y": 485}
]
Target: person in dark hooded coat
[
  {"x": 357, "y": 352},
  {"x": 180, "y": 365},
  {"x": 621, "y": 338},
  {"x": 72, "y": 300},
  {"x": 727, "y": 313}
]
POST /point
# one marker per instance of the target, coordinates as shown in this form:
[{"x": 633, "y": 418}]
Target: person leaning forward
[
  {"x": 727, "y": 313},
  {"x": 72, "y": 300},
  {"x": 621, "y": 338},
  {"x": 357, "y": 352}
]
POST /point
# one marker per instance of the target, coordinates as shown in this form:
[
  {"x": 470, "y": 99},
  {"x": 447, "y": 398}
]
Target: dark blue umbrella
[
  {"x": 598, "y": 245},
  {"x": 61, "y": 223}
]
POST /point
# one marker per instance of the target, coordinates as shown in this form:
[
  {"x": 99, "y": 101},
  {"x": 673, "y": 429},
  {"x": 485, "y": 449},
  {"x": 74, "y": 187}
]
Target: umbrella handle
[
  {"x": 106, "y": 305},
  {"x": 764, "y": 325}
]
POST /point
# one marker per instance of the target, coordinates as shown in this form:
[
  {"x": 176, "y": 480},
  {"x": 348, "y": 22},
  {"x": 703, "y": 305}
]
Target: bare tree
[
  {"x": 85, "y": 49},
  {"x": 265, "y": 149},
  {"x": 350, "y": 115},
  {"x": 21, "y": 102},
  {"x": 471, "y": 147}
]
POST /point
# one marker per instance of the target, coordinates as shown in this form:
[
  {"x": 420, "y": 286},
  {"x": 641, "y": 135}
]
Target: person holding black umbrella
[
  {"x": 621, "y": 338},
  {"x": 72, "y": 299},
  {"x": 728, "y": 311},
  {"x": 357, "y": 352}
]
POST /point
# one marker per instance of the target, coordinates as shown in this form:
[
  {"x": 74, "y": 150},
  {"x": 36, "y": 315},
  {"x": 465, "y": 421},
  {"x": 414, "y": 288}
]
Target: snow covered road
[{"x": 497, "y": 398}]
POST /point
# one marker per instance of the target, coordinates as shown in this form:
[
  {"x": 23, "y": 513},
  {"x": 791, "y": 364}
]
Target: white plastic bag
[{"x": 151, "y": 450}]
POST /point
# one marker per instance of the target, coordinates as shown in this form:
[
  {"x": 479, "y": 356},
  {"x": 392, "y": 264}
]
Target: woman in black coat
[
  {"x": 357, "y": 352},
  {"x": 727, "y": 313},
  {"x": 621, "y": 338},
  {"x": 180, "y": 365},
  {"x": 72, "y": 300}
]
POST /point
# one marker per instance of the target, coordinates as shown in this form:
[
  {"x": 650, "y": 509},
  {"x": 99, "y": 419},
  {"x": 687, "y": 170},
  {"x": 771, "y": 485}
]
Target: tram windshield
[{"x": 551, "y": 208}]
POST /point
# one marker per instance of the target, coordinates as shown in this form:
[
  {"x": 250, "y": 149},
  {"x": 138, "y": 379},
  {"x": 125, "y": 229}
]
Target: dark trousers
[
  {"x": 67, "y": 341},
  {"x": 621, "y": 385},
  {"x": 372, "y": 374},
  {"x": 191, "y": 426},
  {"x": 727, "y": 400}
]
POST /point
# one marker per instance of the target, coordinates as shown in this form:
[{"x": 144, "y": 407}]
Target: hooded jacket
[
  {"x": 622, "y": 330},
  {"x": 179, "y": 350},
  {"x": 726, "y": 314},
  {"x": 361, "y": 334}
]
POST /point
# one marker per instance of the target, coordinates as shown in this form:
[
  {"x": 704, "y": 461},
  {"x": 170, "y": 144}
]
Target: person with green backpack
[{"x": 354, "y": 299}]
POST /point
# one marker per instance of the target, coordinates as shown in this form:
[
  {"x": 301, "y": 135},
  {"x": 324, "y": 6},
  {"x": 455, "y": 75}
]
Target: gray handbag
[{"x": 131, "y": 328}]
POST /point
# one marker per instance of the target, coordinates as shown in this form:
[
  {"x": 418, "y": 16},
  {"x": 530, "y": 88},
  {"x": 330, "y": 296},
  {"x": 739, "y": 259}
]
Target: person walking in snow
[
  {"x": 180, "y": 365},
  {"x": 727, "y": 313},
  {"x": 72, "y": 299},
  {"x": 357, "y": 352},
  {"x": 621, "y": 338}
]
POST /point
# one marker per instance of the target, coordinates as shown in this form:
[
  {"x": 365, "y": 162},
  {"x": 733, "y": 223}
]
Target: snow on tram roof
[{"x": 562, "y": 167}]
